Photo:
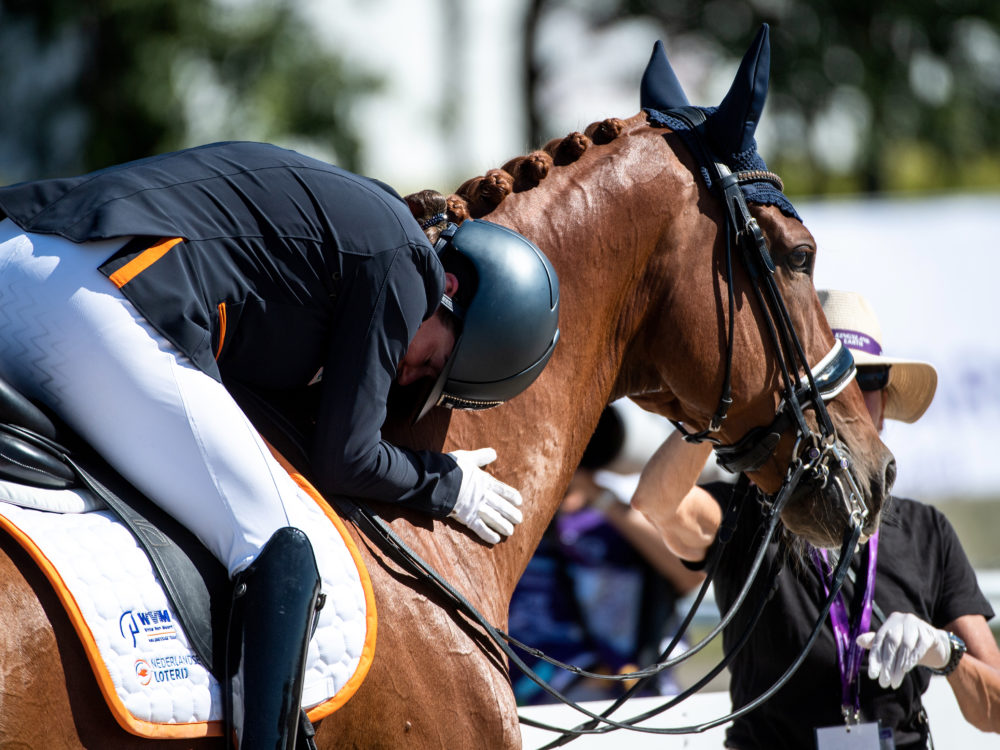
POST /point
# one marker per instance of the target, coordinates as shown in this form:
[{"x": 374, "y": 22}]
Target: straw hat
[{"x": 911, "y": 384}]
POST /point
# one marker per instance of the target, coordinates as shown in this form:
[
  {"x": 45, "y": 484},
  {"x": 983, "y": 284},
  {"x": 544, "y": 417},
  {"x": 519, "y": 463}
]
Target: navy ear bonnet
[{"x": 728, "y": 130}]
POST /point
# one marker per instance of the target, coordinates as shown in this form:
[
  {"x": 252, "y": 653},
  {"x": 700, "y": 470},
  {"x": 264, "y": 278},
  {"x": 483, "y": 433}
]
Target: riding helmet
[{"x": 508, "y": 307}]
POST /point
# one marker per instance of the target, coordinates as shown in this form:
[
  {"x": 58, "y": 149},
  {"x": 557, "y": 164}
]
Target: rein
[{"x": 380, "y": 533}]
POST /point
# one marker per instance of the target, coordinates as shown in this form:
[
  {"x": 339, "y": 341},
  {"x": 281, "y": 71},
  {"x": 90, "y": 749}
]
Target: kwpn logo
[
  {"x": 154, "y": 624},
  {"x": 154, "y": 617},
  {"x": 128, "y": 620},
  {"x": 143, "y": 672}
]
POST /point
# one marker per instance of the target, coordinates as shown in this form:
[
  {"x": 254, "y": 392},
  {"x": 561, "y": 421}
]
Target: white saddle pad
[{"x": 152, "y": 679}]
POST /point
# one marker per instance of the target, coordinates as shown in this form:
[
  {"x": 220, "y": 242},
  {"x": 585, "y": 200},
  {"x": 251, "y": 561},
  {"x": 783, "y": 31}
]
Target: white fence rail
[{"x": 948, "y": 727}]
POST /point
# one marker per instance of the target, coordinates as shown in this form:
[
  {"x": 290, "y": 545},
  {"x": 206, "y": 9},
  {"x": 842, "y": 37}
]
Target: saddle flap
[
  {"x": 18, "y": 410},
  {"x": 27, "y": 462}
]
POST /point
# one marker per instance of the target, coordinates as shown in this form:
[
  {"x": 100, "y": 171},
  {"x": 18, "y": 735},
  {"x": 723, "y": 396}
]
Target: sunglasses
[{"x": 873, "y": 378}]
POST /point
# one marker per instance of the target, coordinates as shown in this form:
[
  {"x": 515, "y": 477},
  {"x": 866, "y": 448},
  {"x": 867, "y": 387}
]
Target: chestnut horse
[{"x": 639, "y": 245}]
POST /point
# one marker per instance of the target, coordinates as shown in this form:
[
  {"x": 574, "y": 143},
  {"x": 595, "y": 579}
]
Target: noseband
[{"x": 814, "y": 451}]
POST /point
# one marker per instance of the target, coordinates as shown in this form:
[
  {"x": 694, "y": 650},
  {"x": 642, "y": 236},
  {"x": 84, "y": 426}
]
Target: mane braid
[{"x": 478, "y": 196}]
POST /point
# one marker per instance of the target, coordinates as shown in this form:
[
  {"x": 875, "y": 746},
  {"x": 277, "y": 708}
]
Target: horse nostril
[{"x": 889, "y": 477}]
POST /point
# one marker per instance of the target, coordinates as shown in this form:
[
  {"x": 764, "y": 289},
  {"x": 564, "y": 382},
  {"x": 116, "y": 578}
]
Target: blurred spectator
[{"x": 600, "y": 591}]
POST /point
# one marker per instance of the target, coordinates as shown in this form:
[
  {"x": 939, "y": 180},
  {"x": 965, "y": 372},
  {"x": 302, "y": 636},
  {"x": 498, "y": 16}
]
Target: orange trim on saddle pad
[
  {"x": 214, "y": 728},
  {"x": 125, "y": 719}
]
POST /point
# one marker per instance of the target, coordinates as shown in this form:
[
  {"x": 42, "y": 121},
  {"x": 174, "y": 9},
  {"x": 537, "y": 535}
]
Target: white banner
[{"x": 930, "y": 267}]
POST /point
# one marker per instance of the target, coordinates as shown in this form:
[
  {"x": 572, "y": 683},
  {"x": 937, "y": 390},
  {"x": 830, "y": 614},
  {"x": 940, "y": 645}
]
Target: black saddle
[{"x": 38, "y": 450}]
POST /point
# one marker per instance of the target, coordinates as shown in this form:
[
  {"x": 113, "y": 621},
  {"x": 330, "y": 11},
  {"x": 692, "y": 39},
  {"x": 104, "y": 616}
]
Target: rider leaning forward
[{"x": 130, "y": 295}]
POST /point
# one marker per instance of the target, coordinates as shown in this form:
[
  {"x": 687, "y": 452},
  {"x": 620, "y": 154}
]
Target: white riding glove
[
  {"x": 485, "y": 504},
  {"x": 903, "y": 642}
]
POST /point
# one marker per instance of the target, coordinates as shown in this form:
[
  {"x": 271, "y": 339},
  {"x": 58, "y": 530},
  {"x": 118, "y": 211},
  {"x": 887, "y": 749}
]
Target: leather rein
[{"x": 381, "y": 534}]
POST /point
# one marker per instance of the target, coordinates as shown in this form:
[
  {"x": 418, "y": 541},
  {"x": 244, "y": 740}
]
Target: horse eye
[{"x": 798, "y": 260}]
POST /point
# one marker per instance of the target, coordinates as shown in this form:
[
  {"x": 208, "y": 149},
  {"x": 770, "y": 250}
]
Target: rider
[
  {"x": 926, "y": 598},
  {"x": 130, "y": 295}
]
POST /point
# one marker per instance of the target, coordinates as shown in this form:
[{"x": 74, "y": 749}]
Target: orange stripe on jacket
[
  {"x": 142, "y": 261},
  {"x": 222, "y": 329}
]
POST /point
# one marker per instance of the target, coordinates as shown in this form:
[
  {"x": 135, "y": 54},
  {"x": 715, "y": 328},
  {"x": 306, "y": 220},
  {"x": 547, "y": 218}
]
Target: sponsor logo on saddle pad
[
  {"x": 155, "y": 625},
  {"x": 165, "y": 668}
]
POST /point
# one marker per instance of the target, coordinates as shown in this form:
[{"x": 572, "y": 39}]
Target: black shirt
[
  {"x": 287, "y": 265},
  {"x": 921, "y": 568}
]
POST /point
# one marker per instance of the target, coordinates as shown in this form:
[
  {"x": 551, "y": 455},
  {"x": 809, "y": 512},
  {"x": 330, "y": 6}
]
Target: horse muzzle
[{"x": 833, "y": 496}]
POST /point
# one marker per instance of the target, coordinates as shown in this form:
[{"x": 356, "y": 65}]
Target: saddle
[{"x": 173, "y": 637}]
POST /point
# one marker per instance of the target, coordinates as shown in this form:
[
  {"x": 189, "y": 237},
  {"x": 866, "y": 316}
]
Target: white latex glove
[
  {"x": 903, "y": 642},
  {"x": 485, "y": 504}
]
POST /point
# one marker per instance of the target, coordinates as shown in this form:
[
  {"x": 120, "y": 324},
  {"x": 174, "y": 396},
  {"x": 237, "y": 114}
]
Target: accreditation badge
[{"x": 867, "y": 736}]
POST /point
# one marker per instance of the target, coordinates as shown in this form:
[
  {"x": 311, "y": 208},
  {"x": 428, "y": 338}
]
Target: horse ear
[
  {"x": 732, "y": 126},
  {"x": 660, "y": 88}
]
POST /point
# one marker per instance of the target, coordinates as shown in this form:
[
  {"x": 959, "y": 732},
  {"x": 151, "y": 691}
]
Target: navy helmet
[{"x": 508, "y": 305}]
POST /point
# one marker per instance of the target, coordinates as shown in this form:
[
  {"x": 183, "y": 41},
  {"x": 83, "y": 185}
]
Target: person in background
[
  {"x": 601, "y": 590},
  {"x": 928, "y": 615}
]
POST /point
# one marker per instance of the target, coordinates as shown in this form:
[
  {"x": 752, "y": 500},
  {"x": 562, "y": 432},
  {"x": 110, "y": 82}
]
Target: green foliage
[
  {"x": 911, "y": 86},
  {"x": 92, "y": 84}
]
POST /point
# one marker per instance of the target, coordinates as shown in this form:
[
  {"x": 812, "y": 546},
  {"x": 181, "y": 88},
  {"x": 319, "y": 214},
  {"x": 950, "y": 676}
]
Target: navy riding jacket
[{"x": 272, "y": 269}]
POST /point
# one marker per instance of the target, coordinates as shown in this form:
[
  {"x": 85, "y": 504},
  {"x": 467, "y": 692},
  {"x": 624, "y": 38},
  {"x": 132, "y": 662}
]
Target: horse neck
[{"x": 600, "y": 222}]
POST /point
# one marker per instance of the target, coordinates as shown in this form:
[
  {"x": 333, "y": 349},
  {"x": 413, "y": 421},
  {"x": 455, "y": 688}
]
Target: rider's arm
[
  {"x": 383, "y": 306},
  {"x": 686, "y": 516}
]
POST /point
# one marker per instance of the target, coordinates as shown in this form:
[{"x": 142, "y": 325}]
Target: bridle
[{"x": 826, "y": 461}]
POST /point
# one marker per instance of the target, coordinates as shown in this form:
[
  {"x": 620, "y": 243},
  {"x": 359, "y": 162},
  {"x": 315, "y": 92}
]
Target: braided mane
[{"x": 478, "y": 196}]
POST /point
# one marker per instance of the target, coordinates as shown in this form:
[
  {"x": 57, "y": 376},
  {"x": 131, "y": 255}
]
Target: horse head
[{"x": 750, "y": 436}]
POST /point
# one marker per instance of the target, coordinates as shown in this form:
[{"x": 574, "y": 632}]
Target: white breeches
[{"x": 69, "y": 339}]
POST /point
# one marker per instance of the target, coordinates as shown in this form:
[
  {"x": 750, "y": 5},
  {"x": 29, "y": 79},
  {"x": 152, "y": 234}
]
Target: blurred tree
[
  {"x": 86, "y": 85},
  {"x": 864, "y": 96}
]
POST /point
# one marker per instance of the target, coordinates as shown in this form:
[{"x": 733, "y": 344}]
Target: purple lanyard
[{"x": 846, "y": 637}]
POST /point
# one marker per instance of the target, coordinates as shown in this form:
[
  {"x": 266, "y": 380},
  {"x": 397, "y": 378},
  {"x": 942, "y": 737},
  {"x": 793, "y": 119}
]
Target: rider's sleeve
[{"x": 386, "y": 302}]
